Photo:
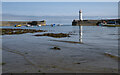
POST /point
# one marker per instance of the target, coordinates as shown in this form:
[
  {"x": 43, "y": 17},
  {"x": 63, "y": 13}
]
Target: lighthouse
[{"x": 80, "y": 15}]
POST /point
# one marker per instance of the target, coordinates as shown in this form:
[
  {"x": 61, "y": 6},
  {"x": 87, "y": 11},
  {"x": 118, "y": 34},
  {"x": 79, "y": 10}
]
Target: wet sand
[{"x": 26, "y": 53}]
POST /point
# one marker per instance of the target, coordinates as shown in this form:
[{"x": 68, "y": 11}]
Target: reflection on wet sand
[{"x": 74, "y": 42}]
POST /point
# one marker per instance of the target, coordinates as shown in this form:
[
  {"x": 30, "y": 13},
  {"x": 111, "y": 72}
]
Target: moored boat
[
  {"x": 59, "y": 24},
  {"x": 18, "y": 25},
  {"x": 111, "y": 25}
]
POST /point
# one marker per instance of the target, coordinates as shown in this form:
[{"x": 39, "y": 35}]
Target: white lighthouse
[{"x": 80, "y": 15}]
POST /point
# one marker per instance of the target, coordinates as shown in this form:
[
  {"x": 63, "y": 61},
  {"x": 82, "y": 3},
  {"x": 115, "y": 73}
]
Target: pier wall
[
  {"x": 91, "y": 22},
  {"x": 12, "y": 23},
  {"x": 85, "y": 22}
]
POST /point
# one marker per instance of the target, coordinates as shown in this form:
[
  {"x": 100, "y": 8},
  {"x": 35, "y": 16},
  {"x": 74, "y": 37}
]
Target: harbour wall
[
  {"x": 92, "y": 22},
  {"x": 12, "y": 23}
]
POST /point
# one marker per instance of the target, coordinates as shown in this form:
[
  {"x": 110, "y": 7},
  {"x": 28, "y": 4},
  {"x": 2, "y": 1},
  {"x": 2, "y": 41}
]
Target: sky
[
  {"x": 60, "y": 0},
  {"x": 60, "y": 8}
]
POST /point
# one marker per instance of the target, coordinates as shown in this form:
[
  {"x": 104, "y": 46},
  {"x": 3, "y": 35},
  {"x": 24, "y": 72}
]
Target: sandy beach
[{"x": 25, "y": 53}]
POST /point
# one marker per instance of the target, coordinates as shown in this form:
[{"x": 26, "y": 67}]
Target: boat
[
  {"x": 111, "y": 25},
  {"x": 52, "y": 25},
  {"x": 28, "y": 25},
  {"x": 59, "y": 24},
  {"x": 39, "y": 25},
  {"x": 18, "y": 25}
]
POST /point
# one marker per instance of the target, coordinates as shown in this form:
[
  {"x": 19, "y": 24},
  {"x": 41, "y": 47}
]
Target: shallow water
[{"x": 90, "y": 54}]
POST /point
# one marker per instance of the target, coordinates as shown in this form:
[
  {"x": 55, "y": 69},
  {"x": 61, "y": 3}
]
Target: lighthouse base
[{"x": 85, "y": 22}]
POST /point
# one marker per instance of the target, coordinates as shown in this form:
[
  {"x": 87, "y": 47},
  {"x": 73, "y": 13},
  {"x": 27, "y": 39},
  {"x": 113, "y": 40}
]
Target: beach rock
[
  {"x": 77, "y": 63},
  {"x": 56, "y": 48},
  {"x": 39, "y": 71},
  {"x": 3, "y": 63},
  {"x": 54, "y": 66},
  {"x": 6, "y": 31},
  {"x": 55, "y": 35},
  {"x": 111, "y": 55}
]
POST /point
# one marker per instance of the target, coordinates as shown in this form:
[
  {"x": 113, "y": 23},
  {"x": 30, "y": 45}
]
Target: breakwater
[
  {"x": 92, "y": 22},
  {"x": 12, "y": 23}
]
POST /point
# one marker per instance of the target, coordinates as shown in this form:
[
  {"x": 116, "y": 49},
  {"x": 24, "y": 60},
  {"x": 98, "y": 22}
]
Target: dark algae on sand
[{"x": 18, "y": 31}]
